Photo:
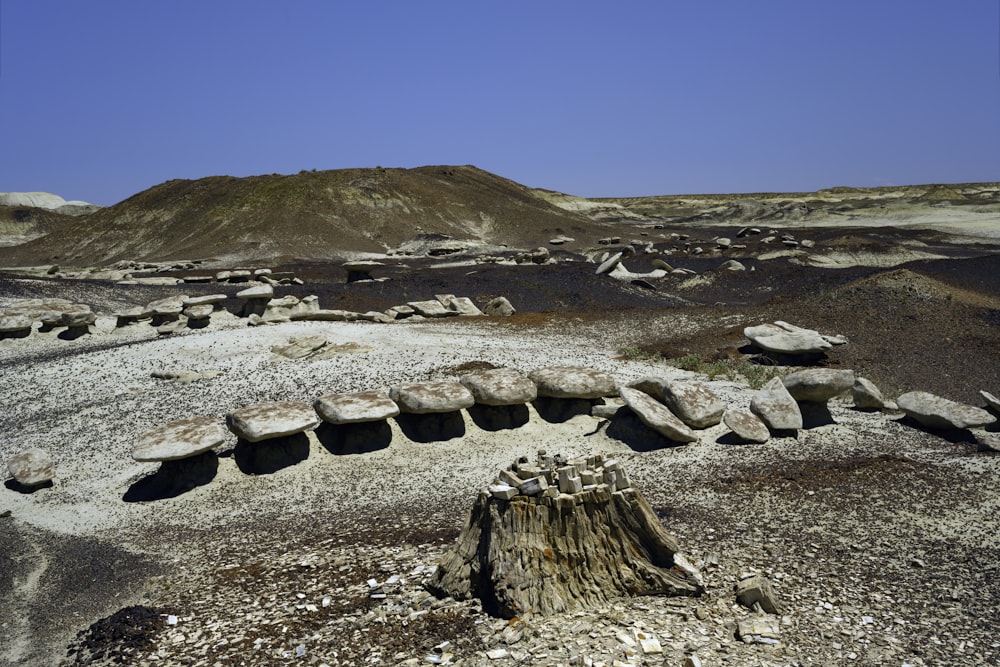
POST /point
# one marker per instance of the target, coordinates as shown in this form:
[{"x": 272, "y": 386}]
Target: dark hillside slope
[{"x": 310, "y": 215}]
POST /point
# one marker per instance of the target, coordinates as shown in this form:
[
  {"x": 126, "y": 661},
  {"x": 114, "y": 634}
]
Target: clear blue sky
[{"x": 102, "y": 99}]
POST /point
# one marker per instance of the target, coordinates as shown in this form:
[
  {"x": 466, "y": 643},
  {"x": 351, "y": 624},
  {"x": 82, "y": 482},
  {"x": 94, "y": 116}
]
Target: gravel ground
[{"x": 880, "y": 539}]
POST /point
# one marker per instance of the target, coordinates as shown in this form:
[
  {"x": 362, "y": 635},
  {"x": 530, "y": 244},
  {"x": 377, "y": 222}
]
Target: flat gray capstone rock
[
  {"x": 867, "y": 396},
  {"x": 355, "y": 408},
  {"x": 787, "y": 339},
  {"x": 818, "y": 385},
  {"x": 31, "y": 467},
  {"x": 463, "y": 305},
  {"x": 500, "y": 386},
  {"x": 747, "y": 426},
  {"x": 937, "y": 412},
  {"x": 256, "y": 292},
  {"x": 180, "y": 439},
  {"x": 656, "y": 415},
  {"x": 207, "y": 299},
  {"x": 572, "y": 382},
  {"x": 608, "y": 265},
  {"x": 78, "y": 318},
  {"x": 430, "y": 397},
  {"x": 172, "y": 305},
  {"x": 15, "y": 323},
  {"x": 776, "y": 407},
  {"x": 431, "y": 308},
  {"x": 200, "y": 312},
  {"x": 272, "y": 420}
]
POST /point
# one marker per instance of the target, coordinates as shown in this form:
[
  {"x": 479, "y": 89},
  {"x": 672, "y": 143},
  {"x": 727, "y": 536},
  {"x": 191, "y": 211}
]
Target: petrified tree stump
[{"x": 562, "y": 535}]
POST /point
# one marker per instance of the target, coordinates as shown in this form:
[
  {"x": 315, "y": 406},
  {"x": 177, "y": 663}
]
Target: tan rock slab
[
  {"x": 573, "y": 382},
  {"x": 818, "y": 385},
  {"x": 180, "y": 439},
  {"x": 353, "y": 408},
  {"x": 429, "y": 397},
  {"x": 747, "y": 426},
  {"x": 500, "y": 386},
  {"x": 938, "y": 412},
  {"x": 776, "y": 407},
  {"x": 656, "y": 415},
  {"x": 272, "y": 420}
]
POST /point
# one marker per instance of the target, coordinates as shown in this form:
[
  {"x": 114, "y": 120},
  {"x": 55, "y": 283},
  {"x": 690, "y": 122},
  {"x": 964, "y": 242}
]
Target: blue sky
[{"x": 103, "y": 99}]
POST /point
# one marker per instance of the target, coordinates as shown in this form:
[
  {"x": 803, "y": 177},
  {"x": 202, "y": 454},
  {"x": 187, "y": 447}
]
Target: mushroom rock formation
[{"x": 562, "y": 535}]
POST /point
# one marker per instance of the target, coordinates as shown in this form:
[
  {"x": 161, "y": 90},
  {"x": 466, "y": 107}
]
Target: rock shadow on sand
[
  {"x": 174, "y": 478},
  {"x": 15, "y": 485},
  {"x": 432, "y": 427},
  {"x": 271, "y": 455},
  {"x": 559, "y": 410},
  {"x": 629, "y": 429},
  {"x": 499, "y": 417},
  {"x": 361, "y": 438},
  {"x": 815, "y": 415}
]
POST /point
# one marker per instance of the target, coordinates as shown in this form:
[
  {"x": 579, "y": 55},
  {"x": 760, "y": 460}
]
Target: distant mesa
[{"x": 47, "y": 201}]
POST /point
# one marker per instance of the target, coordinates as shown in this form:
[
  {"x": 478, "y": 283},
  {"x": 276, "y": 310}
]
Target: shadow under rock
[
  {"x": 73, "y": 333},
  {"x": 359, "y": 438},
  {"x": 731, "y": 439},
  {"x": 629, "y": 429},
  {"x": 173, "y": 478},
  {"x": 559, "y": 410},
  {"x": 269, "y": 456},
  {"x": 15, "y": 485},
  {"x": 815, "y": 415},
  {"x": 499, "y": 417},
  {"x": 953, "y": 435},
  {"x": 432, "y": 427}
]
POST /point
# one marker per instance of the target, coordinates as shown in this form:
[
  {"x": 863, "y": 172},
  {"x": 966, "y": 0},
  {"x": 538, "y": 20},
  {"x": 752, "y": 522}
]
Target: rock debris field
[{"x": 330, "y": 466}]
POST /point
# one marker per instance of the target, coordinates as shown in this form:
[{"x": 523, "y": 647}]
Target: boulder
[
  {"x": 499, "y": 307},
  {"x": 693, "y": 402},
  {"x": 786, "y": 339},
  {"x": 78, "y": 318},
  {"x": 31, "y": 467},
  {"x": 201, "y": 312},
  {"x": 430, "y": 397},
  {"x": 256, "y": 292},
  {"x": 656, "y": 415},
  {"x": 757, "y": 589},
  {"x": 366, "y": 406},
  {"x": 608, "y": 265},
  {"x": 432, "y": 308},
  {"x": 500, "y": 386},
  {"x": 169, "y": 307},
  {"x": 818, "y": 385},
  {"x": 290, "y": 307},
  {"x": 732, "y": 265},
  {"x": 131, "y": 316},
  {"x": 180, "y": 439},
  {"x": 941, "y": 413},
  {"x": 572, "y": 382},
  {"x": 271, "y": 420},
  {"x": 463, "y": 305},
  {"x": 747, "y": 426},
  {"x": 867, "y": 396},
  {"x": 776, "y": 407}
]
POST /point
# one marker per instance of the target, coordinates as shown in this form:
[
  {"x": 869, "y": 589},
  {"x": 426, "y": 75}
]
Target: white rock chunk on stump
[
  {"x": 180, "y": 439},
  {"x": 937, "y": 412},
  {"x": 264, "y": 421},
  {"x": 657, "y": 416},
  {"x": 31, "y": 467},
  {"x": 776, "y": 407},
  {"x": 573, "y": 382},
  {"x": 355, "y": 408},
  {"x": 500, "y": 386},
  {"x": 747, "y": 426},
  {"x": 430, "y": 397},
  {"x": 818, "y": 385},
  {"x": 529, "y": 547}
]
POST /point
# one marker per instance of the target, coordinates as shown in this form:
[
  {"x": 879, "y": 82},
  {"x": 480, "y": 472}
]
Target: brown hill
[{"x": 309, "y": 215}]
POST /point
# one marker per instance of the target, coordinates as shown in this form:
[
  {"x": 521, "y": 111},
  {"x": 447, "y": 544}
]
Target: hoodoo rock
[
  {"x": 693, "y": 402},
  {"x": 500, "y": 386},
  {"x": 937, "y": 412},
  {"x": 431, "y": 397},
  {"x": 818, "y": 385},
  {"x": 572, "y": 382},
  {"x": 528, "y": 546},
  {"x": 180, "y": 439},
  {"x": 272, "y": 420},
  {"x": 784, "y": 338},
  {"x": 365, "y": 406}
]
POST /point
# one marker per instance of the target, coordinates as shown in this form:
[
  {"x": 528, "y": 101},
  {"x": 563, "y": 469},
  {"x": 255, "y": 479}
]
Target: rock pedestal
[{"x": 562, "y": 535}]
